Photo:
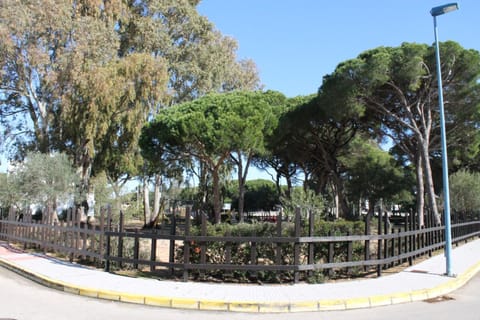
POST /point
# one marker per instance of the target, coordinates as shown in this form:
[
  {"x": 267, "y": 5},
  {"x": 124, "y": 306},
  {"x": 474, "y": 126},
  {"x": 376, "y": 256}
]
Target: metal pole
[{"x": 446, "y": 192}]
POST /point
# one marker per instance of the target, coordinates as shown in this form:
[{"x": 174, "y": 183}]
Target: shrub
[{"x": 266, "y": 253}]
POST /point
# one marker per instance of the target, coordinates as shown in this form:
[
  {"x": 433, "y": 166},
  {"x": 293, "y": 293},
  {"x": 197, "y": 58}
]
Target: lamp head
[{"x": 437, "y": 11}]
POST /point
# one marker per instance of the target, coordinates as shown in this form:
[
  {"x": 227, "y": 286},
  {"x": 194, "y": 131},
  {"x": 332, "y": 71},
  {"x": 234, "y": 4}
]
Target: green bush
[{"x": 266, "y": 252}]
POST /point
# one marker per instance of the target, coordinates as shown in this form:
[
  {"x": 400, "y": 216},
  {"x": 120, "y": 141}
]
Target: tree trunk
[
  {"x": 429, "y": 182},
  {"x": 217, "y": 208},
  {"x": 241, "y": 188},
  {"x": 147, "y": 213},
  {"x": 339, "y": 194},
  {"x": 202, "y": 185},
  {"x": 242, "y": 179},
  {"x": 157, "y": 195},
  {"x": 420, "y": 196},
  {"x": 337, "y": 205},
  {"x": 241, "y": 201}
]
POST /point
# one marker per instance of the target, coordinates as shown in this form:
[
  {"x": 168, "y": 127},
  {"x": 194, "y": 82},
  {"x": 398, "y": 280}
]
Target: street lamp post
[{"x": 437, "y": 11}]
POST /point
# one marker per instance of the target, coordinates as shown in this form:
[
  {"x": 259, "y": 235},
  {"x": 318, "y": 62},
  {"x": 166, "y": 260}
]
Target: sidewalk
[{"x": 419, "y": 282}]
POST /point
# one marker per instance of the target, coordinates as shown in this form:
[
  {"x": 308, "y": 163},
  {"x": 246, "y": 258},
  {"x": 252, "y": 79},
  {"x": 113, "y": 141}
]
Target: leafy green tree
[
  {"x": 30, "y": 64},
  {"x": 398, "y": 87},
  {"x": 314, "y": 135},
  {"x": 305, "y": 199},
  {"x": 253, "y": 141},
  {"x": 464, "y": 191},
  {"x": 8, "y": 196},
  {"x": 105, "y": 115},
  {"x": 199, "y": 59},
  {"x": 63, "y": 86},
  {"x": 278, "y": 155},
  {"x": 260, "y": 194},
  {"x": 82, "y": 77},
  {"x": 209, "y": 129},
  {"x": 374, "y": 174},
  {"x": 44, "y": 178}
]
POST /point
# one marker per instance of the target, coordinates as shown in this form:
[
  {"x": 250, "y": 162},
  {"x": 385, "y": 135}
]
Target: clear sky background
[{"x": 296, "y": 42}]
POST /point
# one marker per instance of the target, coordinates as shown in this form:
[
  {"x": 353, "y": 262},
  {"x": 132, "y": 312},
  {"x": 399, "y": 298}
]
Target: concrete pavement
[{"x": 425, "y": 280}]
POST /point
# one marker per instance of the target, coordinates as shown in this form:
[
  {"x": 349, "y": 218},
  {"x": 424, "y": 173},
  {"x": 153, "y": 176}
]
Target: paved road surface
[{"x": 22, "y": 299}]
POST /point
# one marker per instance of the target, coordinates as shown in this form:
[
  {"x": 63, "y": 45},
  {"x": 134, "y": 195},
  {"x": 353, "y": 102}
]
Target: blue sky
[{"x": 296, "y": 43}]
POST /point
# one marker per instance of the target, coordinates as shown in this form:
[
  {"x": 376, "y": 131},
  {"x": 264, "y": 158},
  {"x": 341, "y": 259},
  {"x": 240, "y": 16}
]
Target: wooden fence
[
  {"x": 176, "y": 250},
  {"x": 73, "y": 237}
]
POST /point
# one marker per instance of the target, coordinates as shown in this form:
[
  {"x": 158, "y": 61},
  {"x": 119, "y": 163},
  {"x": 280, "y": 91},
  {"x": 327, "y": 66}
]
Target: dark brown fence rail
[{"x": 176, "y": 250}]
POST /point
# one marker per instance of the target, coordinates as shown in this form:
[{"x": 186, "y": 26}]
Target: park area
[{"x": 135, "y": 140}]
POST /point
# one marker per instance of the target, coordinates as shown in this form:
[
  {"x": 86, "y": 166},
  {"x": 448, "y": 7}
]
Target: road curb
[{"x": 251, "y": 306}]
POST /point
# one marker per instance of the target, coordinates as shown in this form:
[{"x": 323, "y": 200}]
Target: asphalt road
[{"x": 22, "y": 299}]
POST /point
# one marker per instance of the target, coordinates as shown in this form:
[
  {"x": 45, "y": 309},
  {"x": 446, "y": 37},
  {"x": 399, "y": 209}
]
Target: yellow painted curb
[
  {"x": 380, "y": 301},
  {"x": 274, "y": 307},
  {"x": 92, "y": 293},
  {"x": 132, "y": 298},
  {"x": 159, "y": 302},
  {"x": 419, "y": 295},
  {"x": 332, "y": 305},
  {"x": 401, "y": 297},
  {"x": 357, "y": 303},
  {"x": 114, "y": 296},
  {"x": 184, "y": 303},
  {"x": 304, "y": 306},
  {"x": 244, "y": 307},
  {"x": 213, "y": 305}
]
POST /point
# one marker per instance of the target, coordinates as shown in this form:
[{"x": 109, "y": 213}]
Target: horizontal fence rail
[{"x": 178, "y": 252}]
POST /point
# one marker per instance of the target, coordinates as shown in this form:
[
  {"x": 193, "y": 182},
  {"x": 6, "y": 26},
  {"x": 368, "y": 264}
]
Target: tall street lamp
[{"x": 437, "y": 11}]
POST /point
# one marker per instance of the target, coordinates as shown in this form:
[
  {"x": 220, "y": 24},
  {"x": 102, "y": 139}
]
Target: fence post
[
  {"x": 120, "y": 240},
  {"x": 379, "y": 245},
  {"x": 136, "y": 249},
  {"x": 186, "y": 247},
  {"x": 84, "y": 231},
  {"x": 153, "y": 252},
  {"x": 108, "y": 240},
  {"x": 331, "y": 253},
  {"x": 203, "y": 245},
  {"x": 278, "y": 246},
  {"x": 368, "y": 219},
  {"x": 173, "y": 232},
  {"x": 101, "y": 249},
  {"x": 228, "y": 254},
  {"x": 386, "y": 230},
  {"x": 253, "y": 255},
  {"x": 296, "y": 246},
  {"x": 349, "y": 253},
  {"x": 311, "y": 245}
]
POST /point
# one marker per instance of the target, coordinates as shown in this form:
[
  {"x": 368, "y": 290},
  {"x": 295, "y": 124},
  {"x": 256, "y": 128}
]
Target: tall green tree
[
  {"x": 103, "y": 115},
  {"x": 200, "y": 60},
  {"x": 399, "y": 87},
  {"x": 464, "y": 190},
  {"x": 209, "y": 130},
  {"x": 314, "y": 135},
  {"x": 64, "y": 87},
  {"x": 258, "y": 116},
  {"x": 278, "y": 156},
  {"x": 44, "y": 178},
  {"x": 83, "y": 76},
  {"x": 373, "y": 174}
]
